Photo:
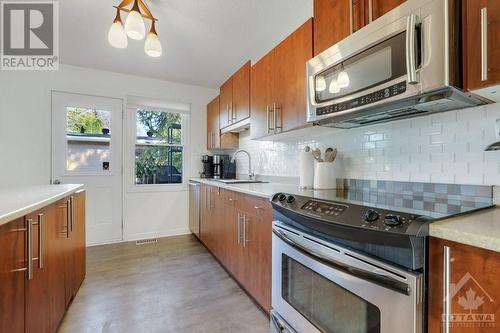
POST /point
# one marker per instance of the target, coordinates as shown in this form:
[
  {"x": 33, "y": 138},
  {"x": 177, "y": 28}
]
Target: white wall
[
  {"x": 441, "y": 148},
  {"x": 25, "y": 118}
]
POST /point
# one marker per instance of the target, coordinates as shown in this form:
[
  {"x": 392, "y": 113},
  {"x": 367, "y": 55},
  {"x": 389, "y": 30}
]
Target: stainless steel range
[{"x": 342, "y": 265}]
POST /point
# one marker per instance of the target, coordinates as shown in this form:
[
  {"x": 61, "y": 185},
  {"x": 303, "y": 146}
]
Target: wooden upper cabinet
[
  {"x": 380, "y": 7},
  {"x": 331, "y": 23},
  {"x": 261, "y": 92},
  {"x": 235, "y": 97},
  {"x": 278, "y": 85},
  {"x": 290, "y": 80},
  {"x": 225, "y": 102},
  {"x": 12, "y": 277},
  {"x": 213, "y": 130},
  {"x": 241, "y": 93},
  {"x": 474, "y": 292},
  {"x": 482, "y": 46},
  {"x": 334, "y": 20}
]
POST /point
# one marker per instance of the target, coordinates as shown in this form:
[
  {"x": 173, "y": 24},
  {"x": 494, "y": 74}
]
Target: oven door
[{"x": 321, "y": 287}]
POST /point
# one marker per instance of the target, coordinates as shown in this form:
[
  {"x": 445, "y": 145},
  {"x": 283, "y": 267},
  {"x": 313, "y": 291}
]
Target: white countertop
[
  {"x": 480, "y": 229},
  {"x": 16, "y": 202}
]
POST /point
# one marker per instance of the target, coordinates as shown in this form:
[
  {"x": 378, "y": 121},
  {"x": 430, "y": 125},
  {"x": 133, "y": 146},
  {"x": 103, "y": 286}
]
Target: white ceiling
[{"x": 204, "y": 41}]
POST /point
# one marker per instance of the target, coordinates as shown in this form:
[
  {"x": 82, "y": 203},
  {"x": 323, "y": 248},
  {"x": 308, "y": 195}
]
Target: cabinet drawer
[
  {"x": 233, "y": 199},
  {"x": 259, "y": 207}
]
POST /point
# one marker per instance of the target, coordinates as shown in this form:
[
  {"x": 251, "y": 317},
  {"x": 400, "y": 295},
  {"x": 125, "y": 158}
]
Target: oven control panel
[{"x": 349, "y": 214}]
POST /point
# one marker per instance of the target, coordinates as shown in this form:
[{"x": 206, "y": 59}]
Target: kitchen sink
[{"x": 239, "y": 181}]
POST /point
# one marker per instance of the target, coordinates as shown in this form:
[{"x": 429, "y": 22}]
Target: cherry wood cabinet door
[
  {"x": 291, "y": 56},
  {"x": 474, "y": 292},
  {"x": 37, "y": 309},
  {"x": 79, "y": 238},
  {"x": 331, "y": 23},
  {"x": 241, "y": 93},
  {"x": 380, "y": 7},
  {"x": 482, "y": 60},
  {"x": 225, "y": 103},
  {"x": 259, "y": 253},
  {"x": 233, "y": 251},
  {"x": 56, "y": 224},
  {"x": 213, "y": 130},
  {"x": 261, "y": 95},
  {"x": 12, "y": 278}
]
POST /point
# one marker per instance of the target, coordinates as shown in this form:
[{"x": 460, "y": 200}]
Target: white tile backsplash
[{"x": 441, "y": 148}]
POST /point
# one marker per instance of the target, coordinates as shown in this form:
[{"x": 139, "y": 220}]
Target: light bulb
[
  {"x": 334, "y": 87},
  {"x": 134, "y": 25},
  {"x": 320, "y": 83},
  {"x": 117, "y": 36},
  {"x": 343, "y": 79},
  {"x": 152, "y": 46}
]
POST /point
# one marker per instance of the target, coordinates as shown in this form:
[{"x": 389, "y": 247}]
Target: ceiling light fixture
[{"x": 134, "y": 27}]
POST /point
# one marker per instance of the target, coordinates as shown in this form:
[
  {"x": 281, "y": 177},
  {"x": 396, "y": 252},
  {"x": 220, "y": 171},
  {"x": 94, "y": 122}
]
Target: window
[
  {"x": 158, "y": 147},
  {"x": 88, "y": 139}
]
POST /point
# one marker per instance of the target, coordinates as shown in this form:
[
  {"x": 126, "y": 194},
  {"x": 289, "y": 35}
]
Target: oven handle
[
  {"x": 411, "y": 66},
  {"x": 279, "y": 325},
  {"x": 377, "y": 278}
]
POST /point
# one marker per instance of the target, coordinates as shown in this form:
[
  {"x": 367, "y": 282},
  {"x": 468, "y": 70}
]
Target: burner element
[{"x": 371, "y": 215}]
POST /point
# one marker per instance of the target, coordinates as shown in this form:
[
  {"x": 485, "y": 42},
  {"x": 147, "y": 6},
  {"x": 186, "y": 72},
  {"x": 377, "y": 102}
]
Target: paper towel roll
[{"x": 306, "y": 169}]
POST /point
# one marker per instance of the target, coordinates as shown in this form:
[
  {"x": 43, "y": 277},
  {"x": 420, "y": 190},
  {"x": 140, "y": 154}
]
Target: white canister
[{"x": 324, "y": 176}]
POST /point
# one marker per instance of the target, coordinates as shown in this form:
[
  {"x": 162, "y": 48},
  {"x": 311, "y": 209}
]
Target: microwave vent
[{"x": 393, "y": 115}]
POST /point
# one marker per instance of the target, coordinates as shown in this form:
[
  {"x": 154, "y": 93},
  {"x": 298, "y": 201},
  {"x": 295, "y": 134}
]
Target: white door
[{"x": 87, "y": 149}]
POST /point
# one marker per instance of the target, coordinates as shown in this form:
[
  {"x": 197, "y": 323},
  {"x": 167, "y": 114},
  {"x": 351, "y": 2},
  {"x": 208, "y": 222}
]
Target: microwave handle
[{"x": 411, "y": 66}]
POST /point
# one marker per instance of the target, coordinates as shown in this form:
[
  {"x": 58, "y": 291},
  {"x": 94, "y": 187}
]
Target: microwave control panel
[{"x": 376, "y": 96}]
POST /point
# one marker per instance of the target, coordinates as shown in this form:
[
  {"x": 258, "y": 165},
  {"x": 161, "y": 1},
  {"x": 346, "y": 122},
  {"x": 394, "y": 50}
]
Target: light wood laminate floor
[{"x": 174, "y": 285}]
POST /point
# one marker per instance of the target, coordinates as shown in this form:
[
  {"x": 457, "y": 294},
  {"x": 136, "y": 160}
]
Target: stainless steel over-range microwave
[{"x": 404, "y": 64}]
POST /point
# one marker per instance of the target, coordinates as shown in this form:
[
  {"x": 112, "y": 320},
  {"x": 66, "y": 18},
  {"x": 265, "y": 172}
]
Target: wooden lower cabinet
[
  {"x": 37, "y": 302},
  {"x": 12, "y": 277},
  {"x": 237, "y": 230},
  {"x": 474, "y": 293}
]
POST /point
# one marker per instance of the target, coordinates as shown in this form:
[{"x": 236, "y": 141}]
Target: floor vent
[{"x": 146, "y": 241}]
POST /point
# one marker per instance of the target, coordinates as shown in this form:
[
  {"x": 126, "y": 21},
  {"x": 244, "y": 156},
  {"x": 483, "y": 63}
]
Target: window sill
[{"x": 158, "y": 188}]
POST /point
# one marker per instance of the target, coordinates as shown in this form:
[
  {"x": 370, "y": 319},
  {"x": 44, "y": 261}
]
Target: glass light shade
[
  {"x": 343, "y": 79},
  {"x": 117, "y": 36},
  {"x": 320, "y": 83},
  {"x": 334, "y": 87},
  {"x": 134, "y": 26},
  {"x": 152, "y": 47}
]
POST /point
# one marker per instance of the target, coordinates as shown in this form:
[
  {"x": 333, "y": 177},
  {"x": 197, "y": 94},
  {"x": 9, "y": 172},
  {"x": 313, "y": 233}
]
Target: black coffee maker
[
  {"x": 223, "y": 168},
  {"x": 208, "y": 166}
]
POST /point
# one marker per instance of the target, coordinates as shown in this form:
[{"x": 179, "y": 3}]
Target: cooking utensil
[
  {"x": 330, "y": 154},
  {"x": 316, "y": 153}
]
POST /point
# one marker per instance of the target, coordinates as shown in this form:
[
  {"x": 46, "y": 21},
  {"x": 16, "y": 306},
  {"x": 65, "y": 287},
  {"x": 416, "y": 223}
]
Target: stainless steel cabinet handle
[
  {"x": 233, "y": 112},
  {"x": 68, "y": 217},
  {"x": 268, "y": 119},
  {"x": 410, "y": 49},
  {"x": 40, "y": 240},
  {"x": 277, "y": 117},
  {"x": 228, "y": 114},
  {"x": 245, "y": 230},
  {"x": 446, "y": 288},
  {"x": 30, "y": 248},
  {"x": 484, "y": 44},
  {"x": 370, "y": 11},
  {"x": 72, "y": 211},
  {"x": 238, "y": 236}
]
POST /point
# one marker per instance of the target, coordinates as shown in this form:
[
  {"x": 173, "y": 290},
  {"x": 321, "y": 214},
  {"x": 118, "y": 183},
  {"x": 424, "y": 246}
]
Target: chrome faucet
[{"x": 250, "y": 172}]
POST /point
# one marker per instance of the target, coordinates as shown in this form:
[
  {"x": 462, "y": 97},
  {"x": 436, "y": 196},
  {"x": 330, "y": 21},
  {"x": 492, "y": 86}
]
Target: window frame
[{"x": 131, "y": 141}]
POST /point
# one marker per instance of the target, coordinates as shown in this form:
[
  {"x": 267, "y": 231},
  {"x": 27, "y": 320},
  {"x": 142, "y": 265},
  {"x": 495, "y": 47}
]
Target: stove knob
[
  {"x": 392, "y": 220},
  {"x": 281, "y": 197},
  {"x": 371, "y": 216},
  {"x": 291, "y": 199}
]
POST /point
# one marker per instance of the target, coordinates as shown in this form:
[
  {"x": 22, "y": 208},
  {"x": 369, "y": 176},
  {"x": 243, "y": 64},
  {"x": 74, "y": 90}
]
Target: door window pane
[
  {"x": 328, "y": 306},
  {"x": 158, "y": 148},
  {"x": 88, "y": 138}
]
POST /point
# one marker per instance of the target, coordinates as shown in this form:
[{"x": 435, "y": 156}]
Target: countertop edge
[
  {"x": 11, "y": 216},
  {"x": 446, "y": 230},
  {"x": 232, "y": 188}
]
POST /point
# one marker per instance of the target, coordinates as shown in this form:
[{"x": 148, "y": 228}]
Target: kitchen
[{"x": 337, "y": 172}]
